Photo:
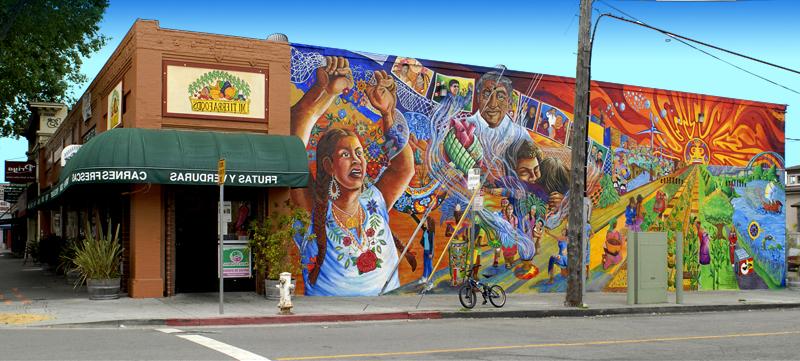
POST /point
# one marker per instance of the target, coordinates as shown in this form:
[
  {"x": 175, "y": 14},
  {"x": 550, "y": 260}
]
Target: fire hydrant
[{"x": 286, "y": 287}]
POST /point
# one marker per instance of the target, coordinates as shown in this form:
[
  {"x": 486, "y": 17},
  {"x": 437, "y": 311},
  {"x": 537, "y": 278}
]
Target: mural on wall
[{"x": 391, "y": 138}]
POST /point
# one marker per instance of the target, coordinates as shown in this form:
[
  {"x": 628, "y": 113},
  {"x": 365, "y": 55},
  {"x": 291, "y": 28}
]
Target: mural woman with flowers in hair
[{"x": 354, "y": 251}]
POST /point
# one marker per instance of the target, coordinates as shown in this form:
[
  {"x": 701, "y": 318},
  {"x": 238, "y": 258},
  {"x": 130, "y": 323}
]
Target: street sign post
[
  {"x": 473, "y": 184},
  {"x": 473, "y": 178},
  {"x": 220, "y": 224}
]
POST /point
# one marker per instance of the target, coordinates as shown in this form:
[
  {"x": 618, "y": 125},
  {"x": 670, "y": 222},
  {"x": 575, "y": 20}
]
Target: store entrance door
[{"x": 196, "y": 241}]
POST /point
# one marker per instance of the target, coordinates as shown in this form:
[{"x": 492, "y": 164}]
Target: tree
[
  {"x": 608, "y": 195},
  {"x": 41, "y": 46},
  {"x": 758, "y": 172},
  {"x": 771, "y": 175},
  {"x": 718, "y": 211}
]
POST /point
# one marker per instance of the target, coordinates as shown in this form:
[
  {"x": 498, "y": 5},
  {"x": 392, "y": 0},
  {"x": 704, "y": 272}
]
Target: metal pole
[
  {"x": 679, "y": 267},
  {"x": 220, "y": 246},
  {"x": 577, "y": 187}
]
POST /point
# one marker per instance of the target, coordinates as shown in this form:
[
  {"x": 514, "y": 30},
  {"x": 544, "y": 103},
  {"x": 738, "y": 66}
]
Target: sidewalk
[{"x": 32, "y": 297}]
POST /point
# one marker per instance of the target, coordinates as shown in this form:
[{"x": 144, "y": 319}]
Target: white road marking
[
  {"x": 169, "y": 330},
  {"x": 232, "y": 351}
]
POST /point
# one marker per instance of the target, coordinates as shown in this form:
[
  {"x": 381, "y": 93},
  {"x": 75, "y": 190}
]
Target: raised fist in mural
[
  {"x": 335, "y": 76},
  {"x": 383, "y": 93}
]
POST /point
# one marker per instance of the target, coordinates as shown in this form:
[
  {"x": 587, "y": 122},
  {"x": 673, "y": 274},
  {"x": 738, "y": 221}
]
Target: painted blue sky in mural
[{"x": 533, "y": 36}]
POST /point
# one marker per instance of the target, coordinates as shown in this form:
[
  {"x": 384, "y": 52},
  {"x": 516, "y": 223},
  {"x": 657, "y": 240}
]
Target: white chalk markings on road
[{"x": 232, "y": 351}]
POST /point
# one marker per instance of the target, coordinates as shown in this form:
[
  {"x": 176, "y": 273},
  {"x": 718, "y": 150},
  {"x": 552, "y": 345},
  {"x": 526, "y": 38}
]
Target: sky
[{"x": 535, "y": 36}]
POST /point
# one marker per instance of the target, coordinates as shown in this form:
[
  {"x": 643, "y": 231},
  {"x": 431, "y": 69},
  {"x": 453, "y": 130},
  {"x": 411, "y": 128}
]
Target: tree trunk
[
  {"x": 720, "y": 233},
  {"x": 259, "y": 283}
]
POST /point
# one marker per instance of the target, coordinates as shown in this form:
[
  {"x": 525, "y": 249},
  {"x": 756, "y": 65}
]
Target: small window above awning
[{"x": 185, "y": 157}]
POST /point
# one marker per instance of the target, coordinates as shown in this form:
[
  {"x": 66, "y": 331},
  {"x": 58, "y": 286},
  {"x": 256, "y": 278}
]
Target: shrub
[
  {"x": 272, "y": 241},
  {"x": 97, "y": 257}
]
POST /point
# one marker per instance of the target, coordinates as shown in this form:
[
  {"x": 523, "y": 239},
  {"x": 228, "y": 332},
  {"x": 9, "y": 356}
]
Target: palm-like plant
[{"x": 97, "y": 257}]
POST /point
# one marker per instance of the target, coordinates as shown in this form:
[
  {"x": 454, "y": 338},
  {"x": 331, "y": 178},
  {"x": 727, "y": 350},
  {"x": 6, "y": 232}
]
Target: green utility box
[{"x": 647, "y": 268}]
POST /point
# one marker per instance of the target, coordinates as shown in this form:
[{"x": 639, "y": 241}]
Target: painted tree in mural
[
  {"x": 42, "y": 43},
  {"x": 609, "y": 195},
  {"x": 771, "y": 175},
  {"x": 757, "y": 173},
  {"x": 718, "y": 211}
]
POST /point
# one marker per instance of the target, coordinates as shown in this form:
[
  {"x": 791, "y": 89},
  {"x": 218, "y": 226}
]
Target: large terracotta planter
[{"x": 103, "y": 289}]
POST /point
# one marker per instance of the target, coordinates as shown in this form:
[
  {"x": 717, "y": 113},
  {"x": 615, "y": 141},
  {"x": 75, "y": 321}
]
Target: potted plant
[
  {"x": 271, "y": 243},
  {"x": 97, "y": 260},
  {"x": 65, "y": 264}
]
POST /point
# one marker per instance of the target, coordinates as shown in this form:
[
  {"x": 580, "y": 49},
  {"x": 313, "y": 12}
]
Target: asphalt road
[{"x": 762, "y": 335}]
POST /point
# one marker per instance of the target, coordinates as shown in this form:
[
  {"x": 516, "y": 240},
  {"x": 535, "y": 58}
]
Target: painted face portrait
[
  {"x": 494, "y": 102},
  {"x": 347, "y": 163},
  {"x": 454, "y": 89},
  {"x": 528, "y": 170},
  {"x": 420, "y": 81}
]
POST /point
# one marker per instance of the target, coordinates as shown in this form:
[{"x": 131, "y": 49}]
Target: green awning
[{"x": 185, "y": 157}]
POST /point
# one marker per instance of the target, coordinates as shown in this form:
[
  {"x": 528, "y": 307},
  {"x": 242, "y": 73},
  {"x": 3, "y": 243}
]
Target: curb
[
  {"x": 267, "y": 320},
  {"x": 428, "y": 315}
]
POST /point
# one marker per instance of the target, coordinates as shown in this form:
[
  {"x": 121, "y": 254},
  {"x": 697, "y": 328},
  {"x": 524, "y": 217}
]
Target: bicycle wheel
[
  {"x": 466, "y": 295},
  {"x": 497, "y": 296}
]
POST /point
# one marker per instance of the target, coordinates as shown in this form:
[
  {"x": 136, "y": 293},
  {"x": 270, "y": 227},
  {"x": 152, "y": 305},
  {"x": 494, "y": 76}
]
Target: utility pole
[{"x": 578, "y": 174}]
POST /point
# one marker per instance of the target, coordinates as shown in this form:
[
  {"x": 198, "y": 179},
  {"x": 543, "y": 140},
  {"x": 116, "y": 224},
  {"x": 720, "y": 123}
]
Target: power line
[{"x": 681, "y": 38}]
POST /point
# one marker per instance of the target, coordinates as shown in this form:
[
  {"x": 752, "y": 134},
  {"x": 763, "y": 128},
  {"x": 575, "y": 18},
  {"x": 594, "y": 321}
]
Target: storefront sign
[
  {"x": 171, "y": 177},
  {"x": 115, "y": 107},
  {"x": 68, "y": 152},
  {"x": 236, "y": 260},
  {"x": 86, "y": 106},
  {"x": 11, "y": 192},
  {"x": 20, "y": 172},
  {"x": 207, "y": 92}
]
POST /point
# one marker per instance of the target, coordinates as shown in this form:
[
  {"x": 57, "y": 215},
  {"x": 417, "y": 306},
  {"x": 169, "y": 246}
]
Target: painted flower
[
  {"x": 361, "y": 85},
  {"x": 373, "y": 169},
  {"x": 374, "y": 149},
  {"x": 372, "y": 206},
  {"x": 361, "y": 128},
  {"x": 367, "y": 262},
  {"x": 370, "y": 231},
  {"x": 347, "y": 241},
  {"x": 403, "y": 203},
  {"x": 311, "y": 263}
]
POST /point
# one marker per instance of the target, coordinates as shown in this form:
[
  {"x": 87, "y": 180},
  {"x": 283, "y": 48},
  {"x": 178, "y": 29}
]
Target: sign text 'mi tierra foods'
[{"x": 217, "y": 106}]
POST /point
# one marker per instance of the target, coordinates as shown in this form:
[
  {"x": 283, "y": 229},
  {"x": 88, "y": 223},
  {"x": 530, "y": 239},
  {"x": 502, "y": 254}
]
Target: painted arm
[
  {"x": 332, "y": 79},
  {"x": 398, "y": 174}
]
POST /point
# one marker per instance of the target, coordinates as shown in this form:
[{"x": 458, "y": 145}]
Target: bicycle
[{"x": 468, "y": 298}]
